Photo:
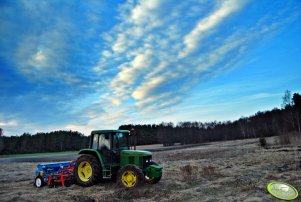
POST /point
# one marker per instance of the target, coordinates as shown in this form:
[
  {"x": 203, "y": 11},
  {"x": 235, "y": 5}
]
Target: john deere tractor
[{"x": 109, "y": 157}]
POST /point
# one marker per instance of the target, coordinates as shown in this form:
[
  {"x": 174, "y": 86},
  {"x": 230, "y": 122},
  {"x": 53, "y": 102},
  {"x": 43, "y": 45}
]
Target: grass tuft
[{"x": 189, "y": 172}]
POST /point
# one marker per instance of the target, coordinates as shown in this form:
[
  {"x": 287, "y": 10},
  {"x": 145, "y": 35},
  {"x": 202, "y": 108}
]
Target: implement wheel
[
  {"x": 130, "y": 177},
  {"x": 87, "y": 170},
  {"x": 39, "y": 182}
]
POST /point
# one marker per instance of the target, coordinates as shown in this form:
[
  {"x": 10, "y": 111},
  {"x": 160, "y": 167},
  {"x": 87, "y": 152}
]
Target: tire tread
[
  {"x": 96, "y": 170},
  {"x": 138, "y": 172}
]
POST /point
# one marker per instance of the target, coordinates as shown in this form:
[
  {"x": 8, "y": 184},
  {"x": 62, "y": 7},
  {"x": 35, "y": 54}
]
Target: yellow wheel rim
[
  {"x": 84, "y": 171},
  {"x": 129, "y": 179}
]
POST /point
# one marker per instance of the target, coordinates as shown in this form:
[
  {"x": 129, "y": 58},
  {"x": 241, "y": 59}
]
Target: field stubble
[{"x": 221, "y": 171}]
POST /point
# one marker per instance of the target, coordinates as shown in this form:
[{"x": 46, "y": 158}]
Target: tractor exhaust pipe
[{"x": 133, "y": 138}]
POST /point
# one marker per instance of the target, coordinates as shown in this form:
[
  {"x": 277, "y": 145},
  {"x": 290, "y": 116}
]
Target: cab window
[
  {"x": 95, "y": 141},
  {"x": 104, "y": 141},
  {"x": 120, "y": 141}
]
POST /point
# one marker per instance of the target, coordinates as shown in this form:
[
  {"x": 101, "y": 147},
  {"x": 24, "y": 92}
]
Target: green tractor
[{"x": 109, "y": 157}]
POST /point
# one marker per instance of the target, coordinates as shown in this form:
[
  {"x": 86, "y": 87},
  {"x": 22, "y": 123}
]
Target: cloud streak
[
  {"x": 165, "y": 61},
  {"x": 193, "y": 39}
]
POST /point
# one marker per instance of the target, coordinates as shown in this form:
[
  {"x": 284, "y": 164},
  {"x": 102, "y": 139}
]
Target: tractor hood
[{"x": 135, "y": 153}]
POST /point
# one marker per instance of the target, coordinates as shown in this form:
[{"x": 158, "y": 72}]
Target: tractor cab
[
  {"x": 110, "y": 144},
  {"x": 112, "y": 140},
  {"x": 109, "y": 155}
]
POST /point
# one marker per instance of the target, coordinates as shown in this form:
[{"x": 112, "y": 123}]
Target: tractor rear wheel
[
  {"x": 87, "y": 170},
  {"x": 130, "y": 177}
]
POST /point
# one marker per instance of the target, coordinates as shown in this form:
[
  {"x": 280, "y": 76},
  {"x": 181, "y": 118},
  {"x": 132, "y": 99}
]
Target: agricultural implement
[
  {"x": 53, "y": 174},
  {"x": 109, "y": 156}
]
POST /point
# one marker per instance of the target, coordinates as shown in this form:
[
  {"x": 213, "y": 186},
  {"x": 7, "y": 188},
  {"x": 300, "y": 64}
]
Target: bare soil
[{"x": 220, "y": 171}]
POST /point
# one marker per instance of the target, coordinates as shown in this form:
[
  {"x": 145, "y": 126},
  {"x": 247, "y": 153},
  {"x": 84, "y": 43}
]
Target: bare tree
[
  {"x": 287, "y": 99},
  {"x": 288, "y": 111}
]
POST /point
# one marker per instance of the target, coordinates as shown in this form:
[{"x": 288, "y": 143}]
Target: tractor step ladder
[{"x": 107, "y": 173}]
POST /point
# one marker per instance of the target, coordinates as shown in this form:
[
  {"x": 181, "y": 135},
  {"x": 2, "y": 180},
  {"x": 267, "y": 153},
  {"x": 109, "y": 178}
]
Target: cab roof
[{"x": 109, "y": 131}]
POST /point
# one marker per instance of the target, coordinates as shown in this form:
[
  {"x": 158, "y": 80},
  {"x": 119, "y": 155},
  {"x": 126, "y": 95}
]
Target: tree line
[
  {"x": 262, "y": 124},
  {"x": 274, "y": 122},
  {"x": 55, "y": 141}
]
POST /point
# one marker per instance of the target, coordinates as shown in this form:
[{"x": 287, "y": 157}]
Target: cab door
[{"x": 104, "y": 147}]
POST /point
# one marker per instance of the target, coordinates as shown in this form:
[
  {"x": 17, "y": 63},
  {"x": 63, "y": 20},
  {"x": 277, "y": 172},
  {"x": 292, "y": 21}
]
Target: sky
[{"x": 86, "y": 65}]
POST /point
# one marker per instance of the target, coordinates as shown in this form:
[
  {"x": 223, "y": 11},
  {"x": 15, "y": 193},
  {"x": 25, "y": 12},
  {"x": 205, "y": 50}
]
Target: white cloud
[
  {"x": 131, "y": 72},
  {"x": 146, "y": 88},
  {"x": 45, "y": 41},
  {"x": 260, "y": 96},
  {"x": 110, "y": 119},
  {"x": 85, "y": 129},
  {"x": 40, "y": 57},
  {"x": 115, "y": 101},
  {"x": 193, "y": 39},
  {"x": 8, "y": 123},
  {"x": 143, "y": 12},
  {"x": 151, "y": 99},
  {"x": 120, "y": 44},
  {"x": 152, "y": 56}
]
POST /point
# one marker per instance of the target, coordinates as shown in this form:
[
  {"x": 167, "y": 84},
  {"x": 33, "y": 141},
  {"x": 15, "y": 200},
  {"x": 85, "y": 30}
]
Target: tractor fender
[{"x": 94, "y": 153}]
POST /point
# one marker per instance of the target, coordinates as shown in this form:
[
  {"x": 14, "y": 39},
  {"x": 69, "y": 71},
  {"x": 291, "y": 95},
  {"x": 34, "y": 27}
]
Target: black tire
[
  {"x": 96, "y": 175},
  {"x": 69, "y": 181},
  {"x": 51, "y": 184},
  {"x": 39, "y": 182},
  {"x": 135, "y": 172}
]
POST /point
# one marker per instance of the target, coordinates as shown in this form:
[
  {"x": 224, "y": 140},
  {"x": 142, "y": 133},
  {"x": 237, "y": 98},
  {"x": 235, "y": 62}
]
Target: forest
[
  {"x": 277, "y": 122},
  {"x": 55, "y": 141}
]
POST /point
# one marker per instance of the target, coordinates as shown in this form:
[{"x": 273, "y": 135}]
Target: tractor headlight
[{"x": 41, "y": 173}]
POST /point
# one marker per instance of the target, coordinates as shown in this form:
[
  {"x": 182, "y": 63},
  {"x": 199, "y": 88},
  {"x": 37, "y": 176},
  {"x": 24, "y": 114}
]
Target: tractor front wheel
[
  {"x": 152, "y": 180},
  {"x": 87, "y": 170},
  {"x": 130, "y": 177}
]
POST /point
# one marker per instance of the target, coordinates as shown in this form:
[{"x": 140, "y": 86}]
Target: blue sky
[{"x": 84, "y": 65}]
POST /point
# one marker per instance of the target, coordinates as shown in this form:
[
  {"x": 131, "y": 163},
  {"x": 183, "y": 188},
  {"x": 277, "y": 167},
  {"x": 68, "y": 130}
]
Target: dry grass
[{"x": 224, "y": 171}]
